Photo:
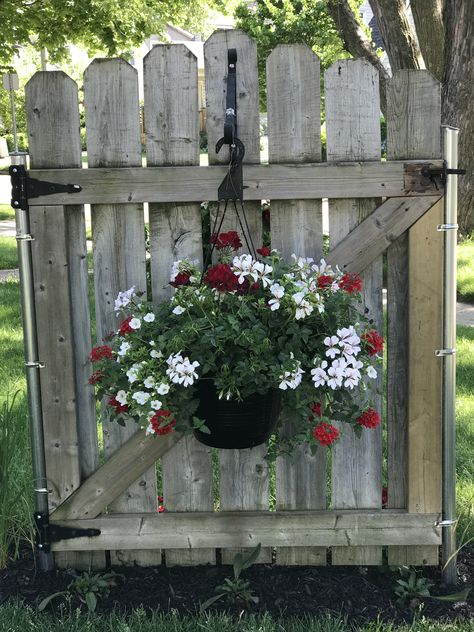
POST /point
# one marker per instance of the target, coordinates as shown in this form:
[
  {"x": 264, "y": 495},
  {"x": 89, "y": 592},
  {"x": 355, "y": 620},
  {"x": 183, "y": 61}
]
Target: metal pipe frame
[{"x": 449, "y": 552}]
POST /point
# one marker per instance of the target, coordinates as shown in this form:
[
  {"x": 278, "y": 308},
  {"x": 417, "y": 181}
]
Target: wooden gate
[{"x": 383, "y": 218}]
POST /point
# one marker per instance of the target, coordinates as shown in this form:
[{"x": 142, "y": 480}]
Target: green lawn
[
  {"x": 466, "y": 271},
  {"x": 8, "y": 253},
  {"x": 6, "y": 212}
]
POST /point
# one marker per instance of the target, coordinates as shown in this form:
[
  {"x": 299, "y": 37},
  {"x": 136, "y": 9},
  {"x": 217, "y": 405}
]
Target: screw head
[
  {"x": 16, "y": 203},
  {"x": 14, "y": 170}
]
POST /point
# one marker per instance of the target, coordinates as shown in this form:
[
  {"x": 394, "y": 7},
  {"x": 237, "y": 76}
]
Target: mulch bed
[{"x": 362, "y": 594}]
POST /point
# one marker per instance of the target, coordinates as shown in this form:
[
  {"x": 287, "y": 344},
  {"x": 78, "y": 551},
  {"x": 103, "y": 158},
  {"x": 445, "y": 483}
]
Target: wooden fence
[{"x": 377, "y": 209}]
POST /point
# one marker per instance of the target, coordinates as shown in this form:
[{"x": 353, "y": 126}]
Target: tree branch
[{"x": 429, "y": 23}]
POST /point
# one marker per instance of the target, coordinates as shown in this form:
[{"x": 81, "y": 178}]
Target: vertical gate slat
[
  {"x": 353, "y": 133},
  {"x": 243, "y": 473},
  {"x": 118, "y": 234},
  {"x": 414, "y": 284},
  {"x": 172, "y": 133},
  {"x": 294, "y": 135},
  {"x": 62, "y": 300}
]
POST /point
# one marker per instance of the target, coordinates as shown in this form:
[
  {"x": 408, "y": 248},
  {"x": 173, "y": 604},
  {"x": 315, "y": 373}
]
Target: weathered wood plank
[
  {"x": 353, "y": 133},
  {"x": 294, "y": 135},
  {"x": 172, "y": 133},
  {"x": 413, "y": 131},
  {"x": 244, "y": 529},
  {"x": 118, "y": 234},
  {"x": 262, "y": 182},
  {"x": 243, "y": 473},
  {"x": 62, "y": 300},
  {"x": 378, "y": 231},
  {"x": 117, "y": 473}
]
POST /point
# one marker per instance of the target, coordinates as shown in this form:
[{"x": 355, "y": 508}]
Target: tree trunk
[
  {"x": 428, "y": 18},
  {"x": 356, "y": 42},
  {"x": 399, "y": 40},
  {"x": 458, "y": 103}
]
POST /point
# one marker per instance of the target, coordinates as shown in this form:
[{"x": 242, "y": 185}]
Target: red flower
[
  {"x": 325, "y": 434},
  {"x": 370, "y": 418},
  {"x": 264, "y": 251},
  {"x": 325, "y": 280},
  {"x": 374, "y": 342},
  {"x": 125, "y": 327},
  {"x": 351, "y": 283},
  {"x": 221, "y": 278},
  {"x": 316, "y": 408},
  {"x": 182, "y": 278},
  {"x": 226, "y": 240},
  {"x": 119, "y": 408},
  {"x": 160, "y": 499},
  {"x": 98, "y": 353},
  {"x": 161, "y": 508},
  {"x": 161, "y": 422},
  {"x": 97, "y": 376}
]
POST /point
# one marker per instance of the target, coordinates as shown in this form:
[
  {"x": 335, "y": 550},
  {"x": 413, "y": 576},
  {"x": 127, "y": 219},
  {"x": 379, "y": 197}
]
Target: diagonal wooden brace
[{"x": 366, "y": 242}]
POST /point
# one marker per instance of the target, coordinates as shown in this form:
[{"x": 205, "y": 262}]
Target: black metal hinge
[
  {"x": 25, "y": 188},
  {"x": 440, "y": 174},
  {"x": 46, "y": 533}
]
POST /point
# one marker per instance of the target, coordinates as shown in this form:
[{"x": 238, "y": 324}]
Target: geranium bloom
[
  {"x": 325, "y": 433},
  {"x": 98, "y": 353},
  {"x": 119, "y": 408},
  {"x": 278, "y": 292},
  {"x": 349, "y": 341},
  {"x": 181, "y": 278},
  {"x": 336, "y": 373},
  {"x": 291, "y": 379},
  {"x": 181, "y": 371},
  {"x": 264, "y": 251},
  {"x": 303, "y": 306},
  {"x": 230, "y": 240},
  {"x": 161, "y": 423},
  {"x": 97, "y": 376},
  {"x": 221, "y": 278},
  {"x": 369, "y": 419},
  {"x": 351, "y": 283},
  {"x": 319, "y": 375},
  {"x": 324, "y": 281},
  {"x": 332, "y": 342},
  {"x": 125, "y": 327},
  {"x": 374, "y": 342}
]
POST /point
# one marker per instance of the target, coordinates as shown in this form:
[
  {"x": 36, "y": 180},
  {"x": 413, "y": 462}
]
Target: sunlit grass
[
  {"x": 8, "y": 253},
  {"x": 466, "y": 271}
]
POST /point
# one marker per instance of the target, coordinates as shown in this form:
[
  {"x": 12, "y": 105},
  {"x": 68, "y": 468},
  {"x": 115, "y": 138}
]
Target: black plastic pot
[{"x": 233, "y": 424}]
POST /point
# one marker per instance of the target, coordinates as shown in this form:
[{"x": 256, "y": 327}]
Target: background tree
[{"x": 442, "y": 40}]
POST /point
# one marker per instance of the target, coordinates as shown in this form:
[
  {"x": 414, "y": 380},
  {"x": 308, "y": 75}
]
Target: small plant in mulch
[
  {"x": 236, "y": 590},
  {"x": 87, "y": 587}
]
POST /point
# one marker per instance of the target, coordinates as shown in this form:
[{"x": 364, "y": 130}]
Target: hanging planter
[{"x": 236, "y": 424}]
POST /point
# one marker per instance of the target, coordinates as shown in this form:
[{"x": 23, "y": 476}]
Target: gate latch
[
  {"x": 46, "y": 533},
  {"x": 25, "y": 188},
  {"x": 439, "y": 174}
]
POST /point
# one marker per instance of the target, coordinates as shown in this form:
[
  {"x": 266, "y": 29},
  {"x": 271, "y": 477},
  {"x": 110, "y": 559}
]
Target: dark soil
[{"x": 360, "y": 593}]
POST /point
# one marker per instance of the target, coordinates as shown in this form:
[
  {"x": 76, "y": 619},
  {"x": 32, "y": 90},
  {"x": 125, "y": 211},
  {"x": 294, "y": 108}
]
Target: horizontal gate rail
[
  {"x": 261, "y": 182},
  {"x": 247, "y": 528}
]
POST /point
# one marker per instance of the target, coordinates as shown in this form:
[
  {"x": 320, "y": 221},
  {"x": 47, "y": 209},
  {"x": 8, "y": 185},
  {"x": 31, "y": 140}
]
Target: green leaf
[
  {"x": 91, "y": 601},
  {"x": 210, "y": 601},
  {"x": 459, "y": 596},
  {"x": 252, "y": 557},
  {"x": 50, "y": 598},
  {"x": 238, "y": 564}
]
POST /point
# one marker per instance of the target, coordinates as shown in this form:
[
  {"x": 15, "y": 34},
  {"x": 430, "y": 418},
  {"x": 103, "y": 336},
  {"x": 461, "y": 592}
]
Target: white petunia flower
[
  {"x": 124, "y": 347},
  {"x": 121, "y": 397},
  {"x": 178, "y": 310},
  {"x": 124, "y": 298},
  {"x": 149, "y": 318},
  {"x": 155, "y": 404},
  {"x": 155, "y": 354},
  {"x": 141, "y": 397},
  {"x": 132, "y": 374},
  {"x": 371, "y": 372},
  {"x": 163, "y": 389},
  {"x": 135, "y": 323}
]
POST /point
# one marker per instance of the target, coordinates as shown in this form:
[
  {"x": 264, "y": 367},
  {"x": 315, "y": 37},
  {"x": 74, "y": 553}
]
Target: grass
[
  {"x": 466, "y": 270},
  {"x": 15, "y": 617},
  {"x": 6, "y": 213},
  {"x": 8, "y": 253}
]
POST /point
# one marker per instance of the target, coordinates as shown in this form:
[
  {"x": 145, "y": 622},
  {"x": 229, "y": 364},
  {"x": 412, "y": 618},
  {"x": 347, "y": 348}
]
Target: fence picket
[
  {"x": 172, "y": 133},
  {"x": 243, "y": 473},
  {"x": 118, "y": 234},
  {"x": 413, "y": 131},
  {"x": 353, "y": 133},
  {"x": 294, "y": 135}
]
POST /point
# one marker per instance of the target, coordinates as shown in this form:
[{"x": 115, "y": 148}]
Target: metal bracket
[
  {"x": 46, "y": 533},
  {"x": 34, "y": 365},
  {"x": 439, "y": 353},
  {"x": 25, "y": 188},
  {"x": 24, "y": 237},
  {"x": 443, "y": 227},
  {"x": 445, "y": 523},
  {"x": 440, "y": 174}
]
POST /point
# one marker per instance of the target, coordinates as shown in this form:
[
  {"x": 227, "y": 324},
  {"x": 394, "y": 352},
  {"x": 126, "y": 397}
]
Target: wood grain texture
[
  {"x": 413, "y": 131},
  {"x": 118, "y": 234},
  {"x": 353, "y": 133},
  {"x": 172, "y": 133},
  {"x": 294, "y": 135},
  {"x": 62, "y": 300},
  {"x": 273, "y": 181},
  {"x": 244, "y": 529},
  {"x": 243, "y": 473}
]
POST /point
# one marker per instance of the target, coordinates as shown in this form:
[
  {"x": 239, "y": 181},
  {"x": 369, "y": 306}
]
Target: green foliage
[
  {"x": 8, "y": 253},
  {"x": 6, "y": 213},
  {"x": 466, "y": 270},
  {"x": 411, "y": 585},
  {"x": 273, "y": 22},
  {"x": 237, "y": 590},
  {"x": 87, "y": 587}
]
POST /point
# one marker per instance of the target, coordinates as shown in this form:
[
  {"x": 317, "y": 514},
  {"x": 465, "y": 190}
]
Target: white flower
[
  {"x": 331, "y": 342},
  {"x": 336, "y": 373},
  {"x": 135, "y": 323},
  {"x": 155, "y": 404},
  {"x": 163, "y": 389},
  {"x": 291, "y": 379},
  {"x": 371, "y": 372},
  {"x": 141, "y": 397},
  {"x": 178, "y": 310},
  {"x": 278, "y": 292},
  {"x": 124, "y": 347},
  {"x": 150, "y": 430},
  {"x": 303, "y": 307},
  {"x": 319, "y": 375},
  {"x": 121, "y": 397},
  {"x": 155, "y": 354},
  {"x": 242, "y": 266},
  {"x": 323, "y": 268},
  {"x": 181, "y": 371},
  {"x": 149, "y": 318},
  {"x": 149, "y": 382},
  {"x": 132, "y": 374},
  {"x": 349, "y": 341},
  {"x": 352, "y": 377},
  {"x": 261, "y": 271},
  {"x": 124, "y": 298}
]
